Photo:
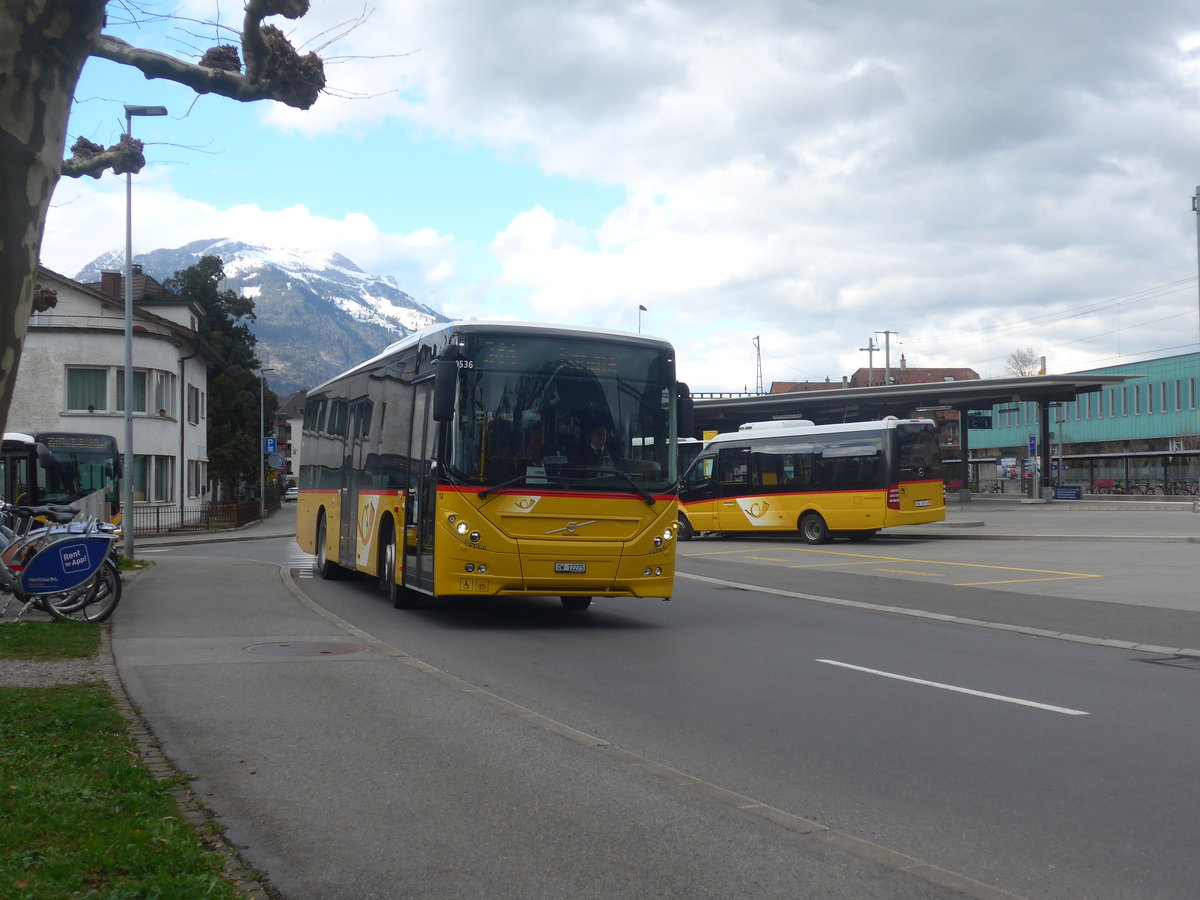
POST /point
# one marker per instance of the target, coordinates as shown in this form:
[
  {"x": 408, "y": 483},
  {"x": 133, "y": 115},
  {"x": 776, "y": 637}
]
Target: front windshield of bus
[
  {"x": 83, "y": 464},
  {"x": 577, "y": 414}
]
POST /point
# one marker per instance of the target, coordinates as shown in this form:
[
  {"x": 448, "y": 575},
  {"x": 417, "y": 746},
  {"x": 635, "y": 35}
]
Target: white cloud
[{"x": 966, "y": 175}]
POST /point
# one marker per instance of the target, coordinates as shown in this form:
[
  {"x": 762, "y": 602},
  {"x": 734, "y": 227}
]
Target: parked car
[{"x": 290, "y": 495}]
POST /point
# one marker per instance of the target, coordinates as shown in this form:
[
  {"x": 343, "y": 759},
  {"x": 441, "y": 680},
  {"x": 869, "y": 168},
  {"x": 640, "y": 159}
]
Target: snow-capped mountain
[{"x": 318, "y": 313}]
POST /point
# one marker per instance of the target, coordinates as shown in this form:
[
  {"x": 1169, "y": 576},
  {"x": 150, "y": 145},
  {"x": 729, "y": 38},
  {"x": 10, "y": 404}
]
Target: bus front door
[{"x": 422, "y": 494}]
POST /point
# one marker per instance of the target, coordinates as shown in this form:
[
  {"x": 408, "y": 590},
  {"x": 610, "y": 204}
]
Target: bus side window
[
  {"x": 734, "y": 466},
  {"x": 768, "y": 471},
  {"x": 700, "y": 474}
]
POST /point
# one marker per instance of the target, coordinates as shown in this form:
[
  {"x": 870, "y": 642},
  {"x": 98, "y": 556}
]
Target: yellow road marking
[
  {"x": 866, "y": 559},
  {"x": 1023, "y": 580}
]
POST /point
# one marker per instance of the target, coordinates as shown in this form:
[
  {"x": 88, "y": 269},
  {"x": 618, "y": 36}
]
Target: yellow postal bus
[
  {"x": 820, "y": 480},
  {"x": 498, "y": 459}
]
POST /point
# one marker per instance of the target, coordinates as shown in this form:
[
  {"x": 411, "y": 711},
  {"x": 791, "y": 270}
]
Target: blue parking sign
[{"x": 269, "y": 445}]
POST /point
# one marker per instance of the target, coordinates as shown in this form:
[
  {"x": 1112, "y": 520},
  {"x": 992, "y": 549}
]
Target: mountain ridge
[{"x": 318, "y": 313}]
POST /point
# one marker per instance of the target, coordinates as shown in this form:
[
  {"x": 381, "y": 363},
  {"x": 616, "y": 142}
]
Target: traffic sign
[{"x": 269, "y": 445}]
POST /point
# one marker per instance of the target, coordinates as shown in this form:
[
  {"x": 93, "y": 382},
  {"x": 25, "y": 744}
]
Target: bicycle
[{"x": 64, "y": 567}]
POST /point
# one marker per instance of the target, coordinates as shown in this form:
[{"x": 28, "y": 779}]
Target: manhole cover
[{"x": 304, "y": 648}]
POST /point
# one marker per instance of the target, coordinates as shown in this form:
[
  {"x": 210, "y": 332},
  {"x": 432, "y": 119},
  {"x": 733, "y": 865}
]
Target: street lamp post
[
  {"x": 127, "y": 500},
  {"x": 262, "y": 442}
]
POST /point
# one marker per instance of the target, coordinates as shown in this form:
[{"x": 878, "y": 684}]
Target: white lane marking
[{"x": 960, "y": 690}]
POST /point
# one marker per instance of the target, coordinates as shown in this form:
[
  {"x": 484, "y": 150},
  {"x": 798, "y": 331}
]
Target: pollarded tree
[{"x": 43, "y": 46}]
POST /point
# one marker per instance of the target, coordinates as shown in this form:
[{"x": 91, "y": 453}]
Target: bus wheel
[
  {"x": 330, "y": 571},
  {"x": 685, "y": 528},
  {"x": 813, "y": 529},
  {"x": 576, "y": 604}
]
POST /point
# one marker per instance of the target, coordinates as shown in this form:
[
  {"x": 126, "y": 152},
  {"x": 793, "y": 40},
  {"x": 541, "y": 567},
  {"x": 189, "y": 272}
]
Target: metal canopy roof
[{"x": 861, "y": 404}]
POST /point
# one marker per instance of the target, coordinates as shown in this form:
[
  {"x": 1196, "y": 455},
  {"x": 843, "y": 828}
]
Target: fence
[{"x": 202, "y": 517}]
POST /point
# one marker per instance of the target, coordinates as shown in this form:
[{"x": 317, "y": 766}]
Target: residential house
[{"x": 72, "y": 378}]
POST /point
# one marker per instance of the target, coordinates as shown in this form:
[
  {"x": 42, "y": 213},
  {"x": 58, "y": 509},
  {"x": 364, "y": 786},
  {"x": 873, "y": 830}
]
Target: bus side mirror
[
  {"x": 685, "y": 410},
  {"x": 45, "y": 457},
  {"x": 445, "y": 379}
]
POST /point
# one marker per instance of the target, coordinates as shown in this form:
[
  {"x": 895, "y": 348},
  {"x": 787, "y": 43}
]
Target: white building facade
[{"x": 72, "y": 378}]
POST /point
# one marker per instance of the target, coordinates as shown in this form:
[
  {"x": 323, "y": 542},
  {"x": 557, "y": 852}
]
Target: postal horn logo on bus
[
  {"x": 758, "y": 509},
  {"x": 525, "y": 504}
]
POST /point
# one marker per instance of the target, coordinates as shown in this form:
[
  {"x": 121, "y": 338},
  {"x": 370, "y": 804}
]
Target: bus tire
[
  {"x": 813, "y": 529},
  {"x": 685, "y": 528},
  {"x": 387, "y": 566},
  {"x": 576, "y": 604},
  {"x": 330, "y": 571}
]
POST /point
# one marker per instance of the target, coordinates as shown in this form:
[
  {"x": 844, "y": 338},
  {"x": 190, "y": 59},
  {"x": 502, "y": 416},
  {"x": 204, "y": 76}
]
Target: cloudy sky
[{"x": 975, "y": 178}]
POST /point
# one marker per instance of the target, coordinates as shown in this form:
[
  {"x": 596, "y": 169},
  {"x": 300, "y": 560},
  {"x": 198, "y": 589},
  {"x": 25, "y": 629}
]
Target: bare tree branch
[
  {"x": 91, "y": 159},
  {"x": 274, "y": 70}
]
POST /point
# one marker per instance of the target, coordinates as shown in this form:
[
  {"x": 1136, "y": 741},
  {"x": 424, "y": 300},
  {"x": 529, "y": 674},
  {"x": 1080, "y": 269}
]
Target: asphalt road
[{"x": 1045, "y": 767}]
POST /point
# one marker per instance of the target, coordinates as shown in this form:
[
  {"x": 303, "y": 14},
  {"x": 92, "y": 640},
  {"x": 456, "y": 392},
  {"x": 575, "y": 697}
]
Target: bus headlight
[
  {"x": 482, "y": 569},
  {"x": 657, "y": 571},
  {"x": 470, "y": 567},
  {"x": 473, "y": 537},
  {"x": 658, "y": 542},
  {"x": 669, "y": 533},
  {"x": 462, "y": 527},
  {"x": 646, "y": 572}
]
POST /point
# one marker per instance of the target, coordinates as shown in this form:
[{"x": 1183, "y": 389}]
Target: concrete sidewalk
[{"x": 989, "y": 517}]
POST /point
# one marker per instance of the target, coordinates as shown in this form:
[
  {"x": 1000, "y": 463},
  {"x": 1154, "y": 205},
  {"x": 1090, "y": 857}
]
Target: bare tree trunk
[{"x": 43, "y": 45}]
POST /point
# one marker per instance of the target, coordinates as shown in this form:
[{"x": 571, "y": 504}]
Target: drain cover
[{"x": 304, "y": 648}]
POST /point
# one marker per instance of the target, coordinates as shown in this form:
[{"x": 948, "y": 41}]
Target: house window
[
  {"x": 193, "y": 404},
  {"x": 164, "y": 393},
  {"x": 164, "y": 470},
  {"x": 139, "y": 391},
  {"x": 1178, "y": 395},
  {"x": 153, "y": 478},
  {"x": 1137, "y": 399},
  {"x": 87, "y": 389},
  {"x": 1162, "y": 397}
]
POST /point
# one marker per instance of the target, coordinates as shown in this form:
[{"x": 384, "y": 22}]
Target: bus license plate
[
  {"x": 921, "y": 503},
  {"x": 572, "y": 568}
]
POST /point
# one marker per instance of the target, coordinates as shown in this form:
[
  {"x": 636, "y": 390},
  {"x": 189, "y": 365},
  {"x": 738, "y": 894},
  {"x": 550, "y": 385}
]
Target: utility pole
[
  {"x": 887, "y": 354},
  {"x": 870, "y": 351},
  {"x": 758, "y": 354},
  {"x": 1196, "y": 210}
]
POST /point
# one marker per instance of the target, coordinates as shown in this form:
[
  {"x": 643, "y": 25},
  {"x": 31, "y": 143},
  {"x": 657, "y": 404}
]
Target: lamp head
[{"x": 145, "y": 110}]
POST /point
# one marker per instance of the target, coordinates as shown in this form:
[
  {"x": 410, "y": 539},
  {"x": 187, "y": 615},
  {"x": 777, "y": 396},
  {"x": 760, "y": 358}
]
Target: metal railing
[{"x": 200, "y": 517}]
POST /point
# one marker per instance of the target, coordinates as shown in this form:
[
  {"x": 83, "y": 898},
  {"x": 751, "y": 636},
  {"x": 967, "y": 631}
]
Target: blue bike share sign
[{"x": 64, "y": 565}]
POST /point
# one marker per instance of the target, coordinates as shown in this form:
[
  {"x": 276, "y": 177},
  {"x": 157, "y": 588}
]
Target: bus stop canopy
[
  {"x": 907, "y": 400},
  {"x": 904, "y": 400}
]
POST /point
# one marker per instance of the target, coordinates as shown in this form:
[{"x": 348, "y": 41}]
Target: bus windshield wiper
[
  {"x": 646, "y": 496},
  {"x": 516, "y": 479}
]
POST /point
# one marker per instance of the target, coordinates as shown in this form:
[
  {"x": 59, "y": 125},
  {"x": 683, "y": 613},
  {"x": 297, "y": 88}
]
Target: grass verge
[{"x": 82, "y": 816}]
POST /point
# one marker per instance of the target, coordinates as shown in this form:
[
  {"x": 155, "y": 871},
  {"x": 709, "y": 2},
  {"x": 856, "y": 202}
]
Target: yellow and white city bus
[
  {"x": 498, "y": 459},
  {"x": 820, "y": 480}
]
